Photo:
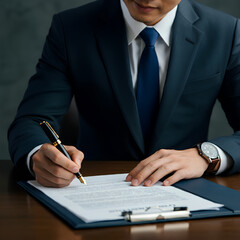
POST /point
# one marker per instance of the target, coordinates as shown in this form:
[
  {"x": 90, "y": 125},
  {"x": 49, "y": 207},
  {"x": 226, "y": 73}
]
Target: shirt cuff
[
  {"x": 226, "y": 161},
  {"x": 29, "y": 157}
]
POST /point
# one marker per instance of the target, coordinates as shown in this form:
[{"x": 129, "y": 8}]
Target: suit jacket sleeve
[
  {"x": 47, "y": 97},
  {"x": 230, "y": 101}
]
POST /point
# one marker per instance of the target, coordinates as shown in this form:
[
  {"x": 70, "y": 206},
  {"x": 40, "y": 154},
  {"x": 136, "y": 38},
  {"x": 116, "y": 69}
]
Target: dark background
[{"x": 23, "y": 28}]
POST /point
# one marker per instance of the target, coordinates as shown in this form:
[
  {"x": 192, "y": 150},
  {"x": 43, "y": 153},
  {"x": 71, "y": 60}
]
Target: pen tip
[{"x": 82, "y": 180}]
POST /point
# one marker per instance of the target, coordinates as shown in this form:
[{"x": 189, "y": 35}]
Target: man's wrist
[
  {"x": 210, "y": 154},
  {"x": 226, "y": 161},
  {"x": 29, "y": 156}
]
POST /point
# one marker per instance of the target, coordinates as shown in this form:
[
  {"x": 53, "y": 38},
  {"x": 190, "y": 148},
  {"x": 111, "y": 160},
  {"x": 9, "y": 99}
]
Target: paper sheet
[{"x": 106, "y": 196}]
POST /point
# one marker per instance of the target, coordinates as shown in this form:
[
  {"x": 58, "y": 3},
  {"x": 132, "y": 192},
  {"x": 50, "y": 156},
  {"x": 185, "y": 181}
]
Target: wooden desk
[{"x": 22, "y": 217}]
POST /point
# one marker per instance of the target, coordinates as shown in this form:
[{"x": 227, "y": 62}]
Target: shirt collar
[{"x": 134, "y": 27}]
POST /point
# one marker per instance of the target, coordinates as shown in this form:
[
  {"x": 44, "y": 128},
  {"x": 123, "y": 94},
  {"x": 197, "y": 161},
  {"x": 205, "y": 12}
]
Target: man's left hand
[{"x": 184, "y": 164}]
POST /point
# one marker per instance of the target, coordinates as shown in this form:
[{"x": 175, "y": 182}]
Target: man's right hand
[{"x": 52, "y": 168}]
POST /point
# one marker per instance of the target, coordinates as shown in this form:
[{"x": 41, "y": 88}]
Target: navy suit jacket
[{"x": 86, "y": 55}]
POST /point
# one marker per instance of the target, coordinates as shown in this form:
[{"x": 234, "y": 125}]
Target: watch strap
[{"x": 213, "y": 164}]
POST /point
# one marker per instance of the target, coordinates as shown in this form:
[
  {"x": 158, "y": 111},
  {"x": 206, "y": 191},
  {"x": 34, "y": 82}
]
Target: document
[{"x": 105, "y": 197}]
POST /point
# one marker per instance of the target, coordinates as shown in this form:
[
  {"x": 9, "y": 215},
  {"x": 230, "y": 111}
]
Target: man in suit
[{"x": 96, "y": 53}]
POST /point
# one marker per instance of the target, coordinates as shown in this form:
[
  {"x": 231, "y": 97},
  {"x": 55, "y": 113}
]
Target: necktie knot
[{"x": 149, "y": 36}]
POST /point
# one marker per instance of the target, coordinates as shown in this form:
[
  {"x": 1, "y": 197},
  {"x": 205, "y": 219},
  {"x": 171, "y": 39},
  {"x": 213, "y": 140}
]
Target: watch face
[{"x": 209, "y": 150}]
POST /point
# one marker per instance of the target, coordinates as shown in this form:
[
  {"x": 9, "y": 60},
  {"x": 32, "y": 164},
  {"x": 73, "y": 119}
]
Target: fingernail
[
  {"x": 134, "y": 182},
  {"x": 148, "y": 183},
  {"x": 79, "y": 162},
  {"x": 129, "y": 178},
  {"x": 166, "y": 183},
  {"x": 75, "y": 169}
]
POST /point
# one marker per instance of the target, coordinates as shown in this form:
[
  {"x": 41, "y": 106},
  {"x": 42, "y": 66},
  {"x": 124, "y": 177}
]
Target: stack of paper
[{"x": 106, "y": 197}]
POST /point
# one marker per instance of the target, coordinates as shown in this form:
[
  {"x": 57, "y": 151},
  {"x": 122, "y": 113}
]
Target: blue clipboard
[{"x": 201, "y": 187}]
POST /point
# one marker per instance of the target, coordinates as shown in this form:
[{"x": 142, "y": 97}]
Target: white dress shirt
[
  {"x": 163, "y": 49},
  {"x": 136, "y": 44}
]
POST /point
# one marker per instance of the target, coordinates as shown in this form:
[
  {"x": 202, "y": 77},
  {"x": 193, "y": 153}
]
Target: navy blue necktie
[{"x": 148, "y": 82}]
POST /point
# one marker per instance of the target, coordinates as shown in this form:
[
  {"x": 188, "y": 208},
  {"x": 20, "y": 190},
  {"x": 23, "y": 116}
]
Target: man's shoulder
[
  {"x": 207, "y": 12},
  {"x": 89, "y": 12},
  {"x": 209, "y": 20}
]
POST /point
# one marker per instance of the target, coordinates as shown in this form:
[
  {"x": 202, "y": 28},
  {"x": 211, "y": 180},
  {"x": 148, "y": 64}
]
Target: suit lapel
[
  {"x": 112, "y": 42},
  {"x": 185, "y": 41}
]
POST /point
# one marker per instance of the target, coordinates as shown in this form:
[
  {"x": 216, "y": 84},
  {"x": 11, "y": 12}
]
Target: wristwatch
[{"x": 210, "y": 153}]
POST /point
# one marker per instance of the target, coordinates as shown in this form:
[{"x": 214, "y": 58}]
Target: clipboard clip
[{"x": 176, "y": 212}]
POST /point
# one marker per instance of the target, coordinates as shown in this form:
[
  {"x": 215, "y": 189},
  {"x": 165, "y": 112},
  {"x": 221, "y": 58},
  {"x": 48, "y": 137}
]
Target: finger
[
  {"x": 133, "y": 173},
  {"x": 58, "y": 171},
  {"x": 166, "y": 169},
  {"x": 76, "y": 155},
  {"x": 156, "y": 156},
  {"x": 137, "y": 169},
  {"x": 44, "y": 168},
  {"x": 176, "y": 177},
  {"x": 154, "y": 169},
  {"x": 58, "y": 183},
  {"x": 58, "y": 158},
  {"x": 45, "y": 176},
  {"x": 52, "y": 171}
]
